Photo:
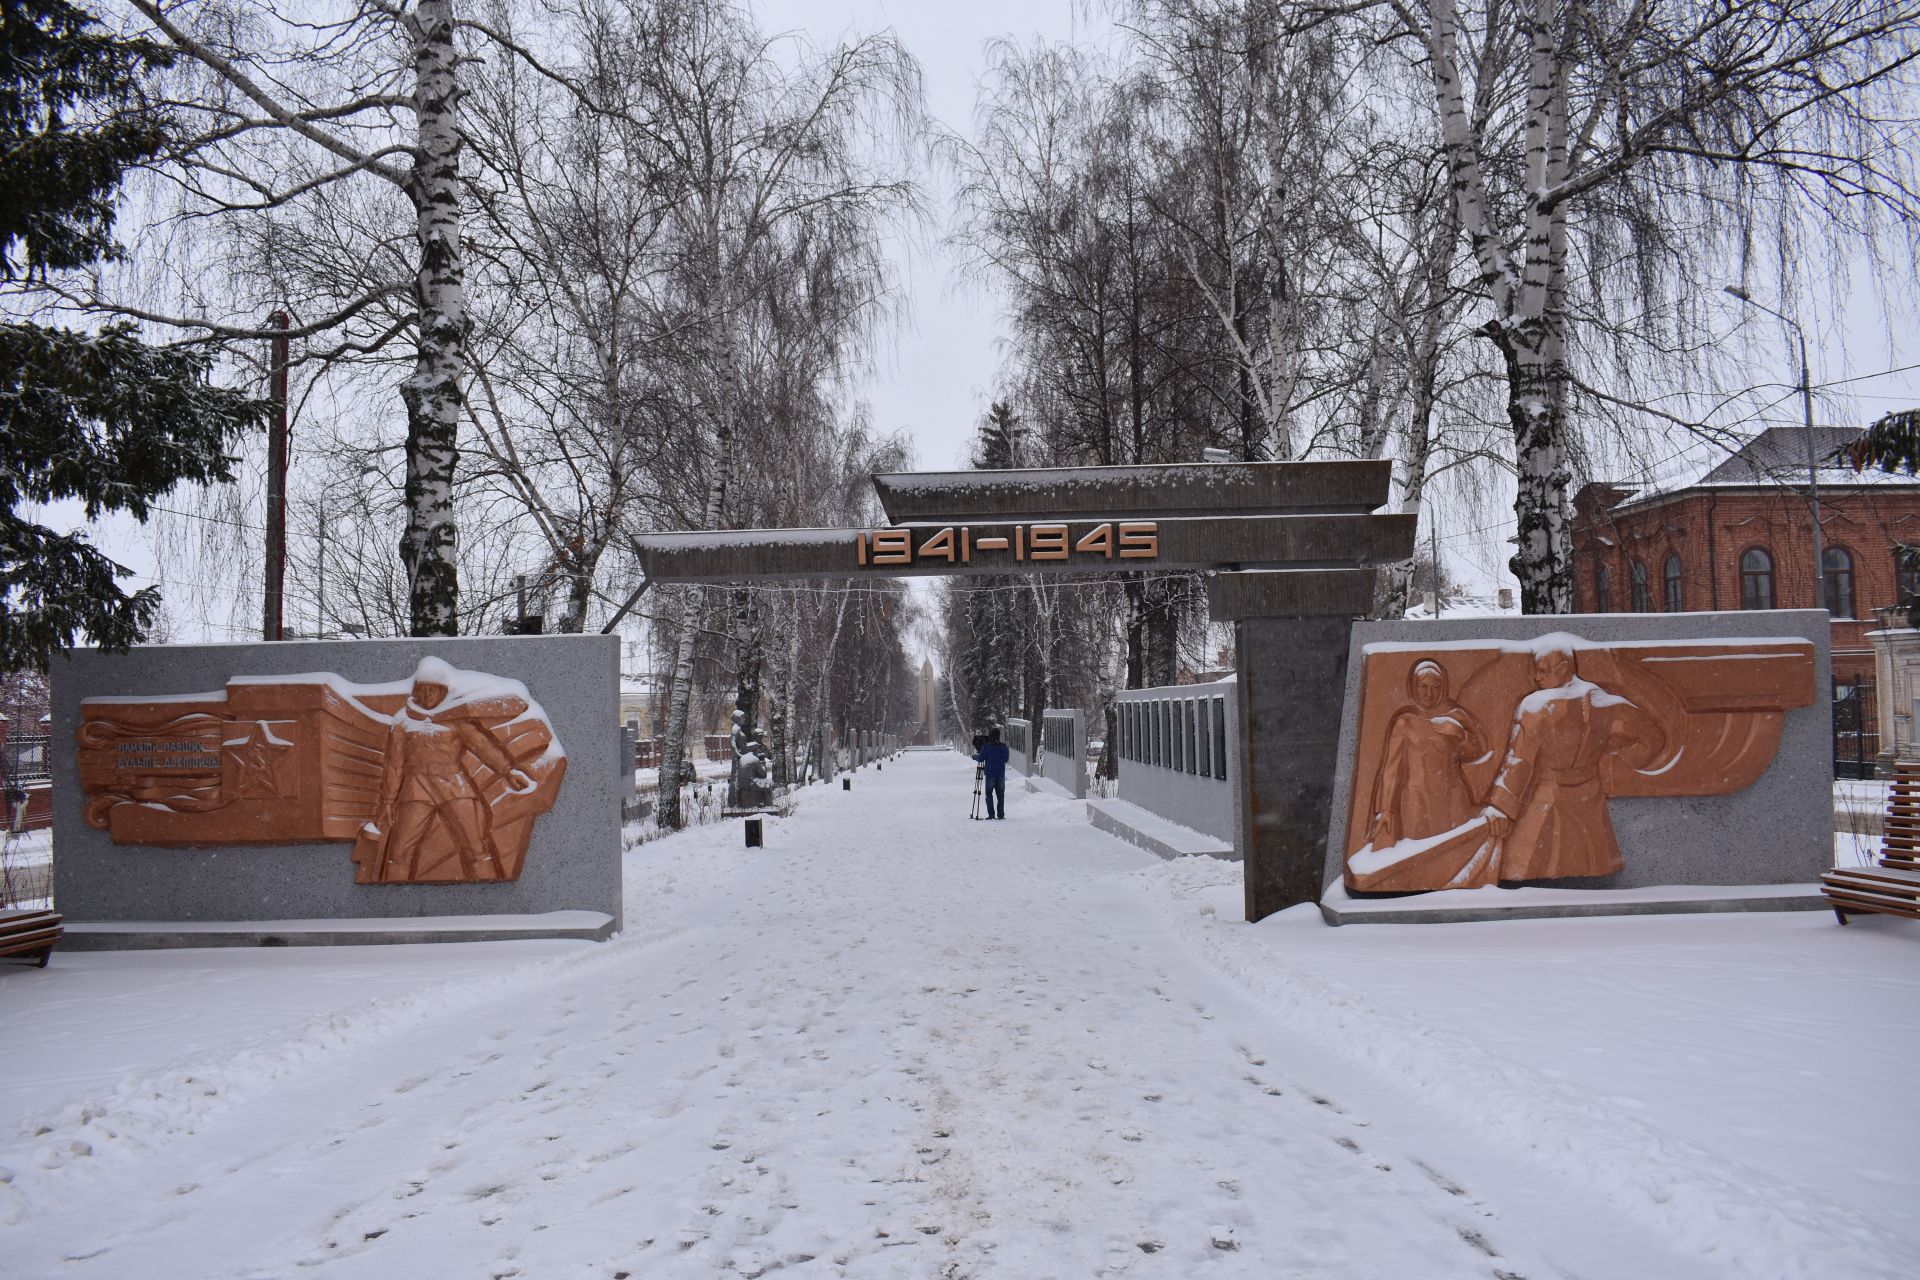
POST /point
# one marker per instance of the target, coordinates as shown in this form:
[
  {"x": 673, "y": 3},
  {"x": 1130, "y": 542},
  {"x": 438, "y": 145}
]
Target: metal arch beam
[
  {"x": 627, "y": 608},
  {"x": 1148, "y": 492},
  {"x": 1180, "y": 545}
]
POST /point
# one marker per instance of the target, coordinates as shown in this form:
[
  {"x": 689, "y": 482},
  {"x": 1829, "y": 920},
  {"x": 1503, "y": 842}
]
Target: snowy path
[{"x": 893, "y": 1044}]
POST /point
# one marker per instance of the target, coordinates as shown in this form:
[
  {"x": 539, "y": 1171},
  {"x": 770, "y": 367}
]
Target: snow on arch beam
[
  {"x": 1349, "y": 487},
  {"x": 1342, "y": 541}
]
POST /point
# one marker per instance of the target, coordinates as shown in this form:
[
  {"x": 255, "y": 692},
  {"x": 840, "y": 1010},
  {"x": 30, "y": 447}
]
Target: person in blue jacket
[{"x": 992, "y": 760}]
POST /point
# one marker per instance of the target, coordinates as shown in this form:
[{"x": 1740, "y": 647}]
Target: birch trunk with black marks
[
  {"x": 749, "y": 664},
  {"x": 432, "y": 392},
  {"x": 1528, "y": 325},
  {"x": 673, "y": 747},
  {"x": 721, "y": 343},
  {"x": 1423, "y": 376}
]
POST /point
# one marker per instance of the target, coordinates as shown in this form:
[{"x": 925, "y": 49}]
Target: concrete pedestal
[{"x": 1291, "y": 680}]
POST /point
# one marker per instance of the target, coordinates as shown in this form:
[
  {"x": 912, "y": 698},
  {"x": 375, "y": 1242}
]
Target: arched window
[
  {"x": 1602, "y": 589},
  {"x": 1906, "y": 576},
  {"x": 1756, "y": 579},
  {"x": 1676, "y": 585},
  {"x": 1642, "y": 602},
  {"x": 1837, "y": 563}
]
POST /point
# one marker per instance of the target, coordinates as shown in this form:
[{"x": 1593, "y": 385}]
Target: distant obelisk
[{"x": 927, "y": 734}]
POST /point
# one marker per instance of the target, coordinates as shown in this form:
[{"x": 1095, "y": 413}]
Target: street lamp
[{"x": 1806, "y": 409}]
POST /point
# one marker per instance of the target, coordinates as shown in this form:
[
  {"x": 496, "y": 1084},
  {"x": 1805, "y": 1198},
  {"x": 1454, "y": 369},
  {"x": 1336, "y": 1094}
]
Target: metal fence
[
  {"x": 1856, "y": 729},
  {"x": 25, "y": 759}
]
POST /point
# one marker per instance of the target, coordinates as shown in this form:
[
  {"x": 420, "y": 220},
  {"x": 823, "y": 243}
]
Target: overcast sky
[
  {"x": 935, "y": 379},
  {"x": 935, "y": 376}
]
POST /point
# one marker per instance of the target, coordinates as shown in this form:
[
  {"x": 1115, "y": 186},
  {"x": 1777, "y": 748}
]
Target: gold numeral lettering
[
  {"x": 938, "y": 547},
  {"x": 892, "y": 546},
  {"x": 860, "y": 546},
  {"x": 1047, "y": 542},
  {"x": 1097, "y": 541},
  {"x": 1140, "y": 540}
]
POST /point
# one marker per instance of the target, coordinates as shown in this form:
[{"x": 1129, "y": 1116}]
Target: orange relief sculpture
[
  {"x": 434, "y": 780},
  {"x": 1437, "y": 803}
]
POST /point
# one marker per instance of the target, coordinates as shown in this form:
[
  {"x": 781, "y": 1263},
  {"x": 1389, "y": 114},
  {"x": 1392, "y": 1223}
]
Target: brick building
[{"x": 1740, "y": 537}]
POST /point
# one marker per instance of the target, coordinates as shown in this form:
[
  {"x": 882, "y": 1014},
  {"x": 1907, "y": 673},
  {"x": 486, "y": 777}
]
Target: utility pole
[
  {"x": 274, "y": 597},
  {"x": 1813, "y": 467},
  {"x": 320, "y": 578},
  {"x": 1433, "y": 532}
]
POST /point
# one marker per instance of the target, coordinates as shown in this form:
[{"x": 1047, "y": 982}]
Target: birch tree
[
  {"x": 283, "y": 110},
  {"x": 1578, "y": 138}
]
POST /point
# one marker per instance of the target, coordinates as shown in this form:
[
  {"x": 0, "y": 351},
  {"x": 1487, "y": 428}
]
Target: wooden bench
[
  {"x": 1879, "y": 890},
  {"x": 1901, "y": 846},
  {"x": 1893, "y": 887},
  {"x": 29, "y": 935}
]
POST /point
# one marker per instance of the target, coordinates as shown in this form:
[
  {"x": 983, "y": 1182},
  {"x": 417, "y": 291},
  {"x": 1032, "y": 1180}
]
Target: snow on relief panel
[
  {"x": 437, "y": 779},
  {"x": 1481, "y": 761}
]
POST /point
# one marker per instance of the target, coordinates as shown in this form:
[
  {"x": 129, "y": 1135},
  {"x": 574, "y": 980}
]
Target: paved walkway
[{"x": 892, "y": 1044}]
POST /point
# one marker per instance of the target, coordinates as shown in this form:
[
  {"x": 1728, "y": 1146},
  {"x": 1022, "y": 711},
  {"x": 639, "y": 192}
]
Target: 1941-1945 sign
[{"x": 1017, "y": 543}]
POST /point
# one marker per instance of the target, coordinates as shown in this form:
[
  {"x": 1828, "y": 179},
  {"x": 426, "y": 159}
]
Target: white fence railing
[{"x": 1179, "y": 746}]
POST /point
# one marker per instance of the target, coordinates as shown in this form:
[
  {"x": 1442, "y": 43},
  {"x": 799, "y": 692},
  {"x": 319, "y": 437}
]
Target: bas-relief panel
[
  {"x": 1483, "y": 761},
  {"x": 438, "y": 779}
]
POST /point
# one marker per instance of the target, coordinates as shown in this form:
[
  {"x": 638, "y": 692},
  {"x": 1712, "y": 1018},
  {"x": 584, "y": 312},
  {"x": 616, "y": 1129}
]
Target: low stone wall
[
  {"x": 1179, "y": 750},
  {"x": 572, "y": 858},
  {"x": 1063, "y": 751}
]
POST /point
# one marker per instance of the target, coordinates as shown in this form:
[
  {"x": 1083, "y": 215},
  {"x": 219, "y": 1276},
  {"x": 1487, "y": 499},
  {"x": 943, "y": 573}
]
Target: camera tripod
[{"x": 979, "y": 773}]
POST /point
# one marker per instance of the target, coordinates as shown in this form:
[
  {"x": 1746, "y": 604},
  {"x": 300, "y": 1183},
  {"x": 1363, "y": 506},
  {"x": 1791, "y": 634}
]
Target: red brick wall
[{"x": 1710, "y": 529}]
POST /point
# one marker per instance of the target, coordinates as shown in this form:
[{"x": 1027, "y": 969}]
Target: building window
[
  {"x": 1676, "y": 586},
  {"x": 1642, "y": 602},
  {"x": 1906, "y": 576},
  {"x": 1837, "y": 563},
  {"x": 1602, "y": 589},
  {"x": 1756, "y": 579}
]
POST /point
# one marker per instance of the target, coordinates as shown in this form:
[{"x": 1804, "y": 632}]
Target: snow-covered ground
[{"x": 895, "y": 1043}]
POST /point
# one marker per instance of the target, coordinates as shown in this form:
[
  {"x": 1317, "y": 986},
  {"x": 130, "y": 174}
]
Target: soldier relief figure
[
  {"x": 1421, "y": 790},
  {"x": 427, "y": 781},
  {"x": 1646, "y": 719},
  {"x": 1547, "y": 812}
]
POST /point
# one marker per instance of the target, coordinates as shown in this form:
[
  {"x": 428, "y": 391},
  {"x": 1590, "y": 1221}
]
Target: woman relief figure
[{"x": 1421, "y": 790}]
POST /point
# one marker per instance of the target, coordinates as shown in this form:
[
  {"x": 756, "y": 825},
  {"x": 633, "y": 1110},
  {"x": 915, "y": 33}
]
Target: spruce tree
[
  {"x": 992, "y": 643},
  {"x": 99, "y": 416}
]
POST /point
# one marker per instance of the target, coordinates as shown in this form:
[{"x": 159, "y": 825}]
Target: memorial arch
[{"x": 1290, "y": 550}]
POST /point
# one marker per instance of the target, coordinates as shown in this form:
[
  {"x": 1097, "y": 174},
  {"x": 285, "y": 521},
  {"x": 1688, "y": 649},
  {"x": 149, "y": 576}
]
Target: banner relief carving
[
  {"x": 1488, "y": 761},
  {"x": 433, "y": 780}
]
